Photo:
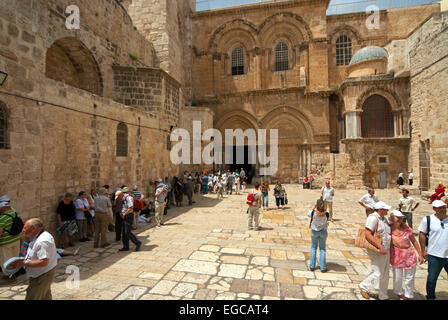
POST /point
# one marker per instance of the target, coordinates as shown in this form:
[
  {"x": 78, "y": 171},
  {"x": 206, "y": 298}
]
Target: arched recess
[
  {"x": 351, "y": 33},
  {"x": 287, "y": 21},
  {"x": 391, "y": 96},
  {"x": 237, "y": 119},
  {"x": 237, "y": 29},
  {"x": 299, "y": 121},
  {"x": 68, "y": 60},
  {"x": 377, "y": 120}
]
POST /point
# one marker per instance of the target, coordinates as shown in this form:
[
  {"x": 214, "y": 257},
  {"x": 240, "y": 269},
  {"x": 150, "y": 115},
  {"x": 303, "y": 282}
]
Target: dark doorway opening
[{"x": 243, "y": 153}]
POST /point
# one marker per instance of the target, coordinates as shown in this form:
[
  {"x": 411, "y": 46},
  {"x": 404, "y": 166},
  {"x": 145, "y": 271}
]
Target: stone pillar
[{"x": 353, "y": 125}]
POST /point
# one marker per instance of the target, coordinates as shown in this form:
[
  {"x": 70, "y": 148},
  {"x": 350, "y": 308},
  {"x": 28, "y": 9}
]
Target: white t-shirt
[
  {"x": 407, "y": 204},
  {"x": 438, "y": 236},
  {"x": 42, "y": 247},
  {"x": 328, "y": 193},
  {"x": 128, "y": 202},
  {"x": 383, "y": 228},
  {"x": 319, "y": 222},
  {"x": 81, "y": 204},
  {"x": 369, "y": 200},
  {"x": 411, "y": 176}
]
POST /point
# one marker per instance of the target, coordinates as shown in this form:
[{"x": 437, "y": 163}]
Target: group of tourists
[
  {"x": 393, "y": 244},
  {"x": 221, "y": 181},
  {"x": 401, "y": 181}
]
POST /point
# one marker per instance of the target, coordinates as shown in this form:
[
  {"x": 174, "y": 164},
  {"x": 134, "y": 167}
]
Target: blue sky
[{"x": 336, "y": 6}]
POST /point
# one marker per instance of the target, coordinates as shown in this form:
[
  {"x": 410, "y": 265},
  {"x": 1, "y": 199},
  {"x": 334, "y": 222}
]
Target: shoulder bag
[{"x": 362, "y": 242}]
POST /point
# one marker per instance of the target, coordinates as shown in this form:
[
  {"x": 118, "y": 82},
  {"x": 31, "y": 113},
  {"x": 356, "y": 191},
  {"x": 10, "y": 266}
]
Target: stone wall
[
  {"x": 428, "y": 53},
  {"x": 60, "y": 136}
]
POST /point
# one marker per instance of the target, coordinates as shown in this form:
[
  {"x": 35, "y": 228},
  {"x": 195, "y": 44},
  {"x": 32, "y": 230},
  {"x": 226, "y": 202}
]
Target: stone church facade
[{"x": 96, "y": 105}]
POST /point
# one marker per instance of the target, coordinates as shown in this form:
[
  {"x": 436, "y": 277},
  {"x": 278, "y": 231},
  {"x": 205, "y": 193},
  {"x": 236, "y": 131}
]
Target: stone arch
[
  {"x": 236, "y": 30},
  {"x": 344, "y": 29},
  {"x": 68, "y": 60},
  {"x": 393, "y": 99},
  {"x": 377, "y": 119},
  {"x": 291, "y": 24},
  {"x": 281, "y": 115},
  {"x": 237, "y": 119}
]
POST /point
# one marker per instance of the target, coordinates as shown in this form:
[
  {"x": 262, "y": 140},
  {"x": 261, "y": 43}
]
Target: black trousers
[
  {"x": 118, "y": 226},
  {"x": 127, "y": 231}
]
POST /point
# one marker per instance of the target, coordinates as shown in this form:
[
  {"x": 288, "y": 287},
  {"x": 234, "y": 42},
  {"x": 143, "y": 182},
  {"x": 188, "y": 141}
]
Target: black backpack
[
  {"x": 17, "y": 225},
  {"x": 428, "y": 223}
]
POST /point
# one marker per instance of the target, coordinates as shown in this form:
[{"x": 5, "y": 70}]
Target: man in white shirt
[
  {"x": 327, "y": 196},
  {"x": 368, "y": 201},
  {"x": 40, "y": 261},
  {"x": 379, "y": 261},
  {"x": 407, "y": 205},
  {"x": 437, "y": 252},
  {"x": 411, "y": 178}
]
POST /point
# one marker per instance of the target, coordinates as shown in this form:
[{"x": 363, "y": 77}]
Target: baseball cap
[
  {"x": 5, "y": 198},
  {"x": 118, "y": 193},
  {"x": 125, "y": 189},
  {"x": 381, "y": 205},
  {"x": 397, "y": 213},
  {"x": 435, "y": 204},
  {"x": 4, "y": 204}
]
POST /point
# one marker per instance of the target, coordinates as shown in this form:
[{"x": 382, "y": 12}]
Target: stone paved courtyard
[{"x": 206, "y": 252}]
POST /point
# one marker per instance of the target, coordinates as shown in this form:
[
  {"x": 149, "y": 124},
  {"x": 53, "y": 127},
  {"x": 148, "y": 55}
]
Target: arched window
[
  {"x": 237, "y": 61},
  {"x": 281, "y": 57},
  {"x": 377, "y": 118},
  {"x": 3, "y": 126},
  {"x": 343, "y": 50},
  {"x": 122, "y": 140}
]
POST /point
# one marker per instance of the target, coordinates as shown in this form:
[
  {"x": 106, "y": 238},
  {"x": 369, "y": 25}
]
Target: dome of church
[{"x": 369, "y": 53}]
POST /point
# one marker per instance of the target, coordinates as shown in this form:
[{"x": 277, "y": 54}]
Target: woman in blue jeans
[{"x": 318, "y": 225}]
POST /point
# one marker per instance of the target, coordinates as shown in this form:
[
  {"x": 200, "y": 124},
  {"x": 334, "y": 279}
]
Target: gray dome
[{"x": 369, "y": 53}]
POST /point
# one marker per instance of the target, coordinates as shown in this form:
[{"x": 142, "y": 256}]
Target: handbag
[{"x": 362, "y": 242}]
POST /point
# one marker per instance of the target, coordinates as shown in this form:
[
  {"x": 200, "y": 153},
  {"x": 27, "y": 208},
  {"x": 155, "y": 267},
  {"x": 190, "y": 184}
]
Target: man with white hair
[
  {"x": 434, "y": 235},
  {"x": 40, "y": 261},
  {"x": 9, "y": 239},
  {"x": 379, "y": 260},
  {"x": 160, "y": 197},
  {"x": 368, "y": 201}
]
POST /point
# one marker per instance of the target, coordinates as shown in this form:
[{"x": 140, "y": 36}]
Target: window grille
[
  {"x": 281, "y": 57},
  {"x": 377, "y": 118},
  {"x": 237, "y": 62},
  {"x": 343, "y": 50},
  {"x": 122, "y": 140}
]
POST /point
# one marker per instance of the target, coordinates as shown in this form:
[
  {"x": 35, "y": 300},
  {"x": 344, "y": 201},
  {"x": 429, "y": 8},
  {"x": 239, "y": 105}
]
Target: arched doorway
[
  {"x": 377, "y": 118},
  {"x": 70, "y": 61}
]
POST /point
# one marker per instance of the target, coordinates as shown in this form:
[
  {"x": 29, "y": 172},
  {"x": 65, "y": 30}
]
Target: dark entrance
[{"x": 248, "y": 168}]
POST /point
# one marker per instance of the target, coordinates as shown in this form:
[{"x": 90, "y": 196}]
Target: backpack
[
  {"x": 312, "y": 216},
  {"x": 17, "y": 225},
  {"x": 250, "y": 199},
  {"x": 138, "y": 204},
  {"x": 428, "y": 222}
]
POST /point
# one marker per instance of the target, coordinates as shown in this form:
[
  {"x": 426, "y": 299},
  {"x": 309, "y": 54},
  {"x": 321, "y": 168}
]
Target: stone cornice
[
  {"x": 257, "y": 6},
  {"x": 371, "y": 80},
  {"x": 393, "y": 140}
]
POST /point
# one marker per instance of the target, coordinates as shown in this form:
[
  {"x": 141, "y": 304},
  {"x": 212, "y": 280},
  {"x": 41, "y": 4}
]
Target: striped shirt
[
  {"x": 6, "y": 223},
  {"x": 137, "y": 194}
]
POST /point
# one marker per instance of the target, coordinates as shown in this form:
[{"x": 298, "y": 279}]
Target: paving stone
[
  {"x": 226, "y": 296},
  {"x": 332, "y": 276},
  {"x": 204, "y": 256},
  {"x": 256, "y": 286},
  {"x": 232, "y": 250},
  {"x": 183, "y": 289},
  {"x": 272, "y": 289},
  {"x": 209, "y": 248},
  {"x": 288, "y": 290},
  {"x": 195, "y": 266},
  {"x": 239, "y": 285},
  {"x": 132, "y": 293},
  {"x": 278, "y": 255},
  {"x": 196, "y": 278},
  {"x": 254, "y": 274},
  {"x": 234, "y": 259},
  {"x": 257, "y": 252},
  {"x": 232, "y": 270},
  {"x": 283, "y": 275},
  {"x": 150, "y": 275},
  {"x": 312, "y": 292},
  {"x": 163, "y": 287},
  {"x": 260, "y": 261},
  {"x": 303, "y": 274}
]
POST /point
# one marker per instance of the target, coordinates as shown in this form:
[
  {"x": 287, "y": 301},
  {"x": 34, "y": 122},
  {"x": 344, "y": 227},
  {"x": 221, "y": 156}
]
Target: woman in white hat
[{"x": 402, "y": 256}]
